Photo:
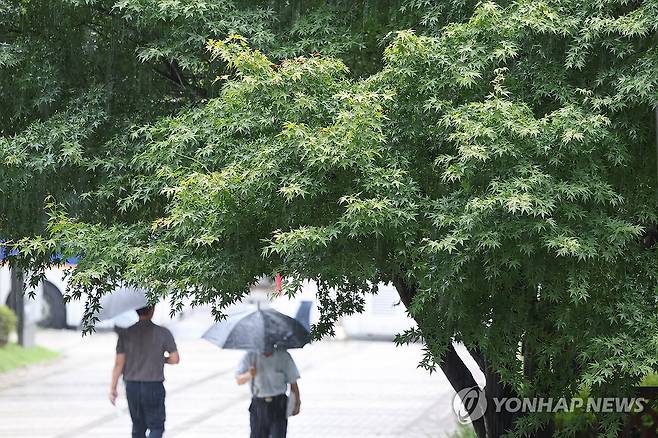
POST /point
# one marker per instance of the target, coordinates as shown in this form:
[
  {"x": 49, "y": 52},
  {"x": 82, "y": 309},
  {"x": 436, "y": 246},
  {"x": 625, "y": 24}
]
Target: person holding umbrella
[
  {"x": 140, "y": 357},
  {"x": 266, "y": 335},
  {"x": 270, "y": 373}
]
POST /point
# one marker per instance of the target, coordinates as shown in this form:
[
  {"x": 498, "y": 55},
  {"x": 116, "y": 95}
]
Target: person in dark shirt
[{"x": 140, "y": 357}]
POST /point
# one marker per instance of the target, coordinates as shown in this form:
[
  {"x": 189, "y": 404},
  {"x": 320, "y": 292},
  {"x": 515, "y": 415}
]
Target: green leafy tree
[
  {"x": 499, "y": 170},
  {"x": 76, "y": 75}
]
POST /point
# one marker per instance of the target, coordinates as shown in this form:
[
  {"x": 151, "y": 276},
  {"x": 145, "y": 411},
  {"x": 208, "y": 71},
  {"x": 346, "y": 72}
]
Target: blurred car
[{"x": 48, "y": 309}]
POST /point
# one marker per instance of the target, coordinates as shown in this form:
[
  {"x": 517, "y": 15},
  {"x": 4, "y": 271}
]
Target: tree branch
[
  {"x": 168, "y": 77},
  {"x": 650, "y": 236}
]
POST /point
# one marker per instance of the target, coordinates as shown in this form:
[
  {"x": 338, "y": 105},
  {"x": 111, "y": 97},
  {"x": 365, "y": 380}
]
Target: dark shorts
[
  {"x": 268, "y": 418},
  {"x": 146, "y": 403}
]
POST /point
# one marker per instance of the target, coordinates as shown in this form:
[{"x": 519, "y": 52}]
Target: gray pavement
[{"x": 349, "y": 389}]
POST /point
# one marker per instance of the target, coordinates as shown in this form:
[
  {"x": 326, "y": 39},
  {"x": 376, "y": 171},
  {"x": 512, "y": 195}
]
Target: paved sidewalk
[{"x": 349, "y": 389}]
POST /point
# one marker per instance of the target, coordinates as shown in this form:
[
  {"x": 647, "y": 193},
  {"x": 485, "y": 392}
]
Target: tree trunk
[
  {"x": 497, "y": 423},
  {"x": 453, "y": 367},
  {"x": 19, "y": 303},
  {"x": 493, "y": 424},
  {"x": 460, "y": 377}
]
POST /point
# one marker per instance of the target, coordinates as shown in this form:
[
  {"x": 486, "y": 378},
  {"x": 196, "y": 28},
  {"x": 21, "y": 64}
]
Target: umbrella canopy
[
  {"x": 259, "y": 330},
  {"x": 121, "y": 300}
]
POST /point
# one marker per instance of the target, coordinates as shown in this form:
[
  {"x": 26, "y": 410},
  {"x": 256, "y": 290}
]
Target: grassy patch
[
  {"x": 650, "y": 380},
  {"x": 464, "y": 432},
  {"x": 13, "y": 356}
]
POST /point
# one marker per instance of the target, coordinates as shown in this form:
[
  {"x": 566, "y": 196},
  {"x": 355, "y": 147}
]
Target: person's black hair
[{"x": 144, "y": 310}]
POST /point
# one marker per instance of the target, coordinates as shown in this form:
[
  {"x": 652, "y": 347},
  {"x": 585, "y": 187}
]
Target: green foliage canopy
[
  {"x": 499, "y": 170},
  {"x": 76, "y": 75}
]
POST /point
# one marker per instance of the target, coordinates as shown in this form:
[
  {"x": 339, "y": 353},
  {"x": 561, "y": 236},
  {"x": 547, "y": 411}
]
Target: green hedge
[{"x": 7, "y": 324}]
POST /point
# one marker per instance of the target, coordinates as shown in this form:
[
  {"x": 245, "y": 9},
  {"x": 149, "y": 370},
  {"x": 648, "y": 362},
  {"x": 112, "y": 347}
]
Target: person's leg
[
  {"x": 258, "y": 419},
  {"x": 133, "y": 394},
  {"x": 279, "y": 428},
  {"x": 279, "y": 420},
  {"x": 153, "y": 394}
]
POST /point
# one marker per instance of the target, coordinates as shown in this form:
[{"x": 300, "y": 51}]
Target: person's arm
[
  {"x": 173, "y": 358},
  {"x": 292, "y": 375},
  {"x": 119, "y": 362},
  {"x": 246, "y": 369},
  {"x": 294, "y": 388},
  {"x": 247, "y": 376}
]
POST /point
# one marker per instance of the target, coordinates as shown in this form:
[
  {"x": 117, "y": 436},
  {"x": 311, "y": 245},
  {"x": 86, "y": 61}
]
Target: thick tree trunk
[
  {"x": 453, "y": 367},
  {"x": 497, "y": 423},
  {"x": 493, "y": 424},
  {"x": 460, "y": 377}
]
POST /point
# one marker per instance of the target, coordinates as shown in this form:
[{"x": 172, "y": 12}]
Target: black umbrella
[{"x": 259, "y": 330}]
